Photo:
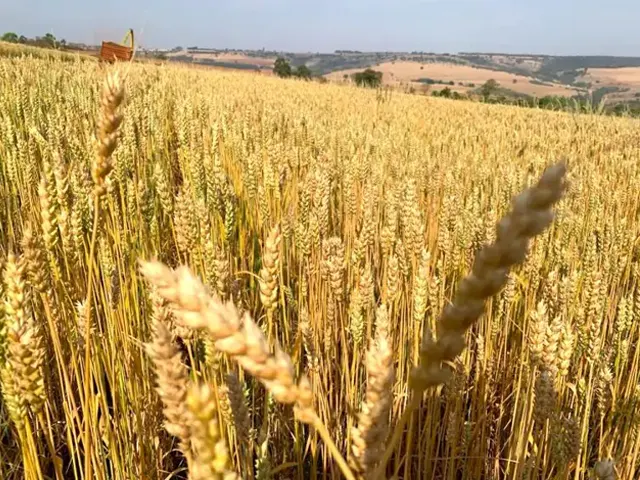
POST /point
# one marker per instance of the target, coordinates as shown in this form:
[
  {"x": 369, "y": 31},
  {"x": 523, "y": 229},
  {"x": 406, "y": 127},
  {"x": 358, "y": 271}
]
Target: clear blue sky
[{"x": 563, "y": 27}]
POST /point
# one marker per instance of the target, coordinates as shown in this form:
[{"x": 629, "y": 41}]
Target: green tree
[
  {"x": 282, "y": 68},
  {"x": 445, "y": 92},
  {"x": 303, "y": 72},
  {"x": 621, "y": 109},
  {"x": 50, "y": 40},
  {"x": 489, "y": 87},
  {"x": 368, "y": 78},
  {"x": 10, "y": 37}
]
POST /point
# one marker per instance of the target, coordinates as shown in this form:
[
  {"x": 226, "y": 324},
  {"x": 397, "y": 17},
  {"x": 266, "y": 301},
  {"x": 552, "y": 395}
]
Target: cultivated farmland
[{"x": 409, "y": 72}]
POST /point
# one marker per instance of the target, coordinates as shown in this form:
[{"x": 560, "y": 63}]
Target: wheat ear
[
  {"x": 531, "y": 214},
  {"x": 373, "y": 420},
  {"x": 172, "y": 380},
  {"x": 211, "y": 456},
  {"x": 236, "y": 335},
  {"x": 108, "y": 123},
  {"x": 239, "y": 337}
]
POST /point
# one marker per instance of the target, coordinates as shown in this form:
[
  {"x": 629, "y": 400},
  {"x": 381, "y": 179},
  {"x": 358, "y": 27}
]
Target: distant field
[
  {"x": 230, "y": 58},
  {"x": 627, "y": 76},
  {"x": 395, "y": 73},
  {"x": 239, "y": 58}
]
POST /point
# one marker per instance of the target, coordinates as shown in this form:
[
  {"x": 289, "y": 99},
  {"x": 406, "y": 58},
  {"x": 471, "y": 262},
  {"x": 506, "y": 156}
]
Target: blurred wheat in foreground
[{"x": 220, "y": 275}]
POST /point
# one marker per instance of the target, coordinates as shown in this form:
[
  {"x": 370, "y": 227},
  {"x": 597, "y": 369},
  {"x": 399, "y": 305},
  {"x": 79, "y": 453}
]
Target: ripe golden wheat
[{"x": 214, "y": 274}]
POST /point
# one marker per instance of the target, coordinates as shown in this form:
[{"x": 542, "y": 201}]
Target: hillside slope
[{"x": 464, "y": 78}]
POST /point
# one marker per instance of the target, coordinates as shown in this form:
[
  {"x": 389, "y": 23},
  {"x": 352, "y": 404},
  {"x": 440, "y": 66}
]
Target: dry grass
[
  {"x": 216, "y": 274},
  {"x": 405, "y": 72}
]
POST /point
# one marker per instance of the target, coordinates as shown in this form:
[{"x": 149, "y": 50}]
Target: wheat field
[{"x": 219, "y": 275}]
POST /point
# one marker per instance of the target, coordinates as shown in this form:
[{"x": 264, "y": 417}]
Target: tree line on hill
[
  {"x": 283, "y": 69},
  {"x": 47, "y": 41},
  {"x": 491, "y": 92}
]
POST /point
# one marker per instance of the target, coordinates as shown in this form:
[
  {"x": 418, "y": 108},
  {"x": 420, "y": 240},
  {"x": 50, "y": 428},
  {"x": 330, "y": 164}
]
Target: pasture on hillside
[{"x": 213, "y": 274}]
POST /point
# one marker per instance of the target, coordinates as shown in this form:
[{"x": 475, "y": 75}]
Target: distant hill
[{"x": 565, "y": 69}]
